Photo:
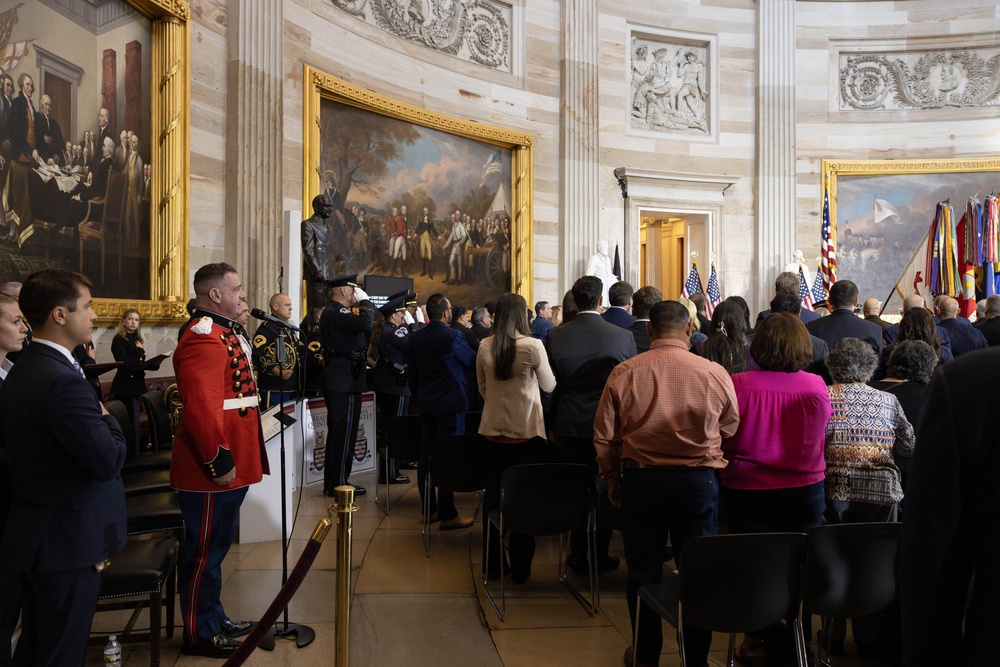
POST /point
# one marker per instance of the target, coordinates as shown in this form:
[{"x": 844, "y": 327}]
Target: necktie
[{"x": 79, "y": 369}]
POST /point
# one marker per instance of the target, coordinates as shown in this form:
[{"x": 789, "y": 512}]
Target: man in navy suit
[
  {"x": 842, "y": 322},
  {"x": 990, "y": 326},
  {"x": 437, "y": 358},
  {"x": 542, "y": 325},
  {"x": 67, "y": 515},
  {"x": 642, "y": 302},
  {"x": 620, "y": 297},
  {"x": 788, "y": 283},
  {"x": 582, "y": 353},
  {"x": 964, "y": 337}
]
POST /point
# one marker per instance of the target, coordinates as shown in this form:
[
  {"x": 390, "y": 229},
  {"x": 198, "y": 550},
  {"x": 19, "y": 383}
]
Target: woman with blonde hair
[
  {"x": 512, "y": 369},
  {"x": 128, "y": 347}
]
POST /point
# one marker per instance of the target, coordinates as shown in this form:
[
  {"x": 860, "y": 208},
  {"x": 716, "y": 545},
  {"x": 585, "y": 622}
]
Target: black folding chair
[
  {"x": 458, "y": 464},
  {"x": 850, "y": 572},
  {"x": 547, "y": 499},
  {"x": 731, "y": 583},
  {"x": 137, "y": 480},
  {"x": 402, "y": 444}
]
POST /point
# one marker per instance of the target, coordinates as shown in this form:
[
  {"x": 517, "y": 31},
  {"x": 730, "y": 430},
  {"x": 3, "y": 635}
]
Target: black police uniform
[
  {"x": 265, "y": 360},
  {"x": 345, "y": 341}
]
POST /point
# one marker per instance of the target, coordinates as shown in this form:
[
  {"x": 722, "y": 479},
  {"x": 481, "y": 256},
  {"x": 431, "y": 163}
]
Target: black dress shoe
[
  {"x": 608, "y": 564},
  {"x": 234, "y": 629},
  {"x": 398, "y": 479},
  {"x": 359, "y": 490},
  {"x": 578, "y": 564},
  {"x": 220, "y": 646}
]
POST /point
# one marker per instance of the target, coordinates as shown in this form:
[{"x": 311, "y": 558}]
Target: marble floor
[{"x": 411, "y": 610}]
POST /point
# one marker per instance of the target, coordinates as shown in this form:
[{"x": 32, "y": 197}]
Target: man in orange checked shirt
[{"x": 658, "y": 435}]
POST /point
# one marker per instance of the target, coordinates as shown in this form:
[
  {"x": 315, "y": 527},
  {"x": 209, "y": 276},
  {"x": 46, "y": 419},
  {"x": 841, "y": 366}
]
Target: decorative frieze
[
  {"x": 477, "y": 31},
  {"x": 920, "y": 80}
]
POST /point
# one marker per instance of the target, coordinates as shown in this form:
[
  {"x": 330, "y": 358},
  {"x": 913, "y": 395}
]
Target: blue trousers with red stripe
[{"x": 211, "y": 520}]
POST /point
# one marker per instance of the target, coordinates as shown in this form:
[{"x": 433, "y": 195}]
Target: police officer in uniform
[
  {"x": 392, "y": 390},
  {"x": 345, "y": 342},
  {"x": 418, "y": 317},
  {"x": 276, "y": 382}
]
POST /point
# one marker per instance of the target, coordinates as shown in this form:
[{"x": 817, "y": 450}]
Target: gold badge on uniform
[{"x": 259, "y": 340}]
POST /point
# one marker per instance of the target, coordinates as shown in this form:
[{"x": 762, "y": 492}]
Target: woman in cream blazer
[{"x": 511, "y": 368}]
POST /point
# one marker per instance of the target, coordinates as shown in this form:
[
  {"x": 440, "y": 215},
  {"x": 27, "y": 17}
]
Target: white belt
[{"x": 238, "y": 403}]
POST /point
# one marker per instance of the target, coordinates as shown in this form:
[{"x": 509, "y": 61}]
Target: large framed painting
[
  {"x": 881, "y": 210},
  {"x": 419, "y": 194},
  {"x": 94, "y": 132}
]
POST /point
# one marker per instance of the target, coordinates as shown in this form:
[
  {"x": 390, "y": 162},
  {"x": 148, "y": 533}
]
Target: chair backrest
[
  {"x": 739, "y": 583},
  {"x": 458, "y": 462},
  {"x": 851, "y": 568},
  {"x": 547, "y": 498},
  {"x": 159, "y": 420},
  {"x": 114, "y": 204},
  {"x": 117, "y": 410},
  {"x": 472, "y": 420},
  {"x": 403, "y": 437}
]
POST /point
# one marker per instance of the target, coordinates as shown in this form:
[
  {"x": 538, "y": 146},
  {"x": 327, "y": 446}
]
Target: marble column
[
  {"x": 580, "y": 138},
  {"x": 775, "y": 141},
  {"x": 170, "y": 166},
  {"x": 253, "y": 145}
]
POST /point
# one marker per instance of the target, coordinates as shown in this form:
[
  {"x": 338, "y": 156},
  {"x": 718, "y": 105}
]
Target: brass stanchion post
[{"x": 343, "y": 508}]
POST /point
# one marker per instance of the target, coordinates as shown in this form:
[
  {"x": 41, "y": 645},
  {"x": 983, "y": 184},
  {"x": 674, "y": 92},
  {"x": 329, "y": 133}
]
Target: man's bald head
[
  {"x": 871, "y": 306},
  {"x": 913, "y": 301},
  {"x": 281, "y": 306},
  {"x": 947, "y": 307}
]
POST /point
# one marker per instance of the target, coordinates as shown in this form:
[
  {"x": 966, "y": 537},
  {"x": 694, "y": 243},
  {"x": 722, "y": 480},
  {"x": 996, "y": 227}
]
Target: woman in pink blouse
[
  {"x": 512, "y": 369},
  {"x": 774, "y": 479}
]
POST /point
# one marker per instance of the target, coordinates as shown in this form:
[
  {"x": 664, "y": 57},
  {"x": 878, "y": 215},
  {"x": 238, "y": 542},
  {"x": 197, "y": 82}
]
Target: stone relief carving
[
  {"x": 670, "y": 89},
  {"x": 473, "y": 30},
  {"x": 928, "y": 80}
]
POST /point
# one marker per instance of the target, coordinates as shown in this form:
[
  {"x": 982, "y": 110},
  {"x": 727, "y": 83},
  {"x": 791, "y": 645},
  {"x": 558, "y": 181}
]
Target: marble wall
[{"x": 530, "y": 98}]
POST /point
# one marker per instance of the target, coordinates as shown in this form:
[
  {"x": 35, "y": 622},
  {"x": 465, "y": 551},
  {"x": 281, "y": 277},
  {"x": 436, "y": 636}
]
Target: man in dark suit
[
  {"x": 65, "y": 452},
  {"x": 700, "y": 303},
  {"x": 620, "y": 297},
  {"x": 948, "y": 576},
  {"x": 964, "y": 337},
  {"x": 436, "y": 359},
  {"x": 48, "y": 137},
  {"x": 842, "y": 322},
  {"x": 914, "y": 301},
  {"x": 22, "y": 114},
  {"x": 542, "y": 325},
  {"x": 582, "y": 353},
  {"x": 990, "y": 326},
  {"x": 481, "y": 322},
  {"x": 642, "y": 301},
  {"x": 870, "y": 310},
  {"x": 788, "y": 283},
  {"x": 104, "y": 130}
]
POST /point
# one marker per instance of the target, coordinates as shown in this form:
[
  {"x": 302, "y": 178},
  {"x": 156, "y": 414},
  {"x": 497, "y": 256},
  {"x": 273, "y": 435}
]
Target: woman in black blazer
[{"x": 129, "y": 382}]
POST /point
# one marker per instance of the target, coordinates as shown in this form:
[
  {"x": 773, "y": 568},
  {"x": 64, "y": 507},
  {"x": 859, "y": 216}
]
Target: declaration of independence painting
[
  {"x": 74, "y": 142},
  {"x": 416, "y": 202}
]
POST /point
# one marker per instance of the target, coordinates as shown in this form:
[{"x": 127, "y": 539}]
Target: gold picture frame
[
  {"x": 170, "y": 124},
  {"x": 881, "y": 208},
  {"x": 321, "y": 86}
]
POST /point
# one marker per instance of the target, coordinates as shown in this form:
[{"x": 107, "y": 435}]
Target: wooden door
[{"x": 61, "y": 92}]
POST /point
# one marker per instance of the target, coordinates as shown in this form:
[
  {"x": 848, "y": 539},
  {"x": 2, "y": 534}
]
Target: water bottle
[{"x": 113, "y": 652}]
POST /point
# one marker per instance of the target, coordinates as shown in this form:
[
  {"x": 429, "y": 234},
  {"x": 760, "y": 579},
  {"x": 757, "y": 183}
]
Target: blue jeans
[{"x": 656, "y": 503}]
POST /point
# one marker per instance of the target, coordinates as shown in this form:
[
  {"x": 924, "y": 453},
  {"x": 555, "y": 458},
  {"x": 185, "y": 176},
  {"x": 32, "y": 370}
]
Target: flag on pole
[
  {"x": 494, "y": 165},
  {"x": 818, "y": 293},
  {"x": 828, "y": 246},
  {"x": 805, "y": 294},
  {"x": 617, "y": 270},
  {"x": 7, "y": 21},
  {"x": 693, "y": 284},
  {"x": 713, "y": 293},
  {"x": 912, "y": 280},
  {"x": 11, "y": 54},
  {"x": 990, "y": 253}
]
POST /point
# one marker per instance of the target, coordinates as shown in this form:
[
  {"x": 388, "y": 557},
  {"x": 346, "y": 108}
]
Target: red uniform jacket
[{"x": 220, "y": 425}]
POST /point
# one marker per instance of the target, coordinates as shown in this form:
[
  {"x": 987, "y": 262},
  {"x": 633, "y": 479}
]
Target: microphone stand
[{"x": 303, "y": 633}]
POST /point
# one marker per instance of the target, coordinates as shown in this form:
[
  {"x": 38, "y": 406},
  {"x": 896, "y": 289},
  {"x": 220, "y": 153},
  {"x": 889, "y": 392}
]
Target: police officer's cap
[
  {"x": 393, "y": 306},
  {"x": 397, "y": 295},
  {"x": 345, "y": 281},
  {"x": 411, "y": 299}
]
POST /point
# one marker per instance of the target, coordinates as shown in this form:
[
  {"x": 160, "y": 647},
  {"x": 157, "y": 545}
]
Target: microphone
[{"x": 261, "y": 315}]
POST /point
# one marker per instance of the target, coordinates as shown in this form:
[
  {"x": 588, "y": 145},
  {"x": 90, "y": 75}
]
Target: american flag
[
  {"x": 494, "y": 165},
  {"x": 693, "y": 284},
  {"x": 804, "y": 292},
  {"x": 818, "y": 292},
  {"x": 713, "y": 293},
  {"x": 829, "y": 250}
]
